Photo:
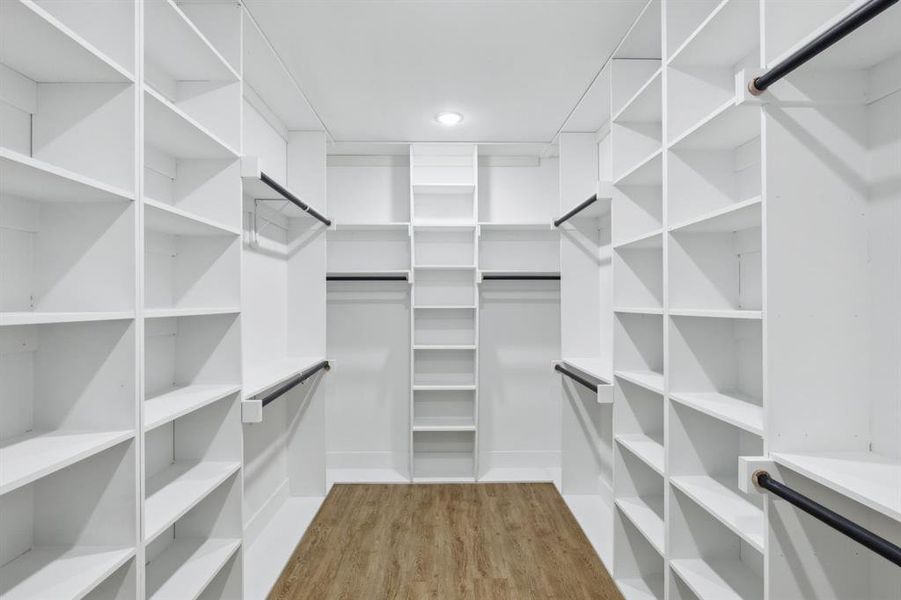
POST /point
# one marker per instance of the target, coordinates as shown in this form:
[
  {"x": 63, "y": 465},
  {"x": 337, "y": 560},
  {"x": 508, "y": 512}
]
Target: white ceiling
[{"x": 379, "y": 70}]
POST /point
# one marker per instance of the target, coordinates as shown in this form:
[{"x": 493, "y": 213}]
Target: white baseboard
[
  {"x": 519, "y": 460},
  {"x": 367, "y": 460}
]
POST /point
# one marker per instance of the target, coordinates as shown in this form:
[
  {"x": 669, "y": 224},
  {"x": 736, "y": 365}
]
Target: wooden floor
[{"x": 484, "y": 541}]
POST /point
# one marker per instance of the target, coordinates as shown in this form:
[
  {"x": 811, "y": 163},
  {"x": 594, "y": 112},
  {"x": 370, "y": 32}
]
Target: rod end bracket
[{"x": 748, "y": 469}]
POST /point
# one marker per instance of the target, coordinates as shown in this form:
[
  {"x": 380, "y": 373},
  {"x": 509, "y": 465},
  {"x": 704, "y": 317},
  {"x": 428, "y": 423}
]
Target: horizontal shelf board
[
  {"x": 48, "y": 318},
  {"x": 726, "y": 127},
  {"x": 648, "y": 172},
  {"x": 645, "y": 448},
  {"x": 590, "y": 365},
  {"x": 519, "y": 272},
  {"x": 734, "y": 408},
  {"x": 719, "y": 579},
  {"x": 259, "y": 378},
  {"x": 428, "y": 225},
  {"x": 364, "y": 273},
  {"x": 177, "y": 46},
  {"x": 179, "y": 488},
  {"x": 596, "y": 209},
  {"x": 439, "y": 388},
  {"x": 444, "y": 267},
  {"x": 443, "y": 188},
  {"x": 721, "y": 498},
  {"x": 865, "y": 477},
  {"x": 164, "y": 313},
  {"x": 165, "y": 218},
  {"x": 497, "y": 226},
  {"x": 187, "y": 566},
  {"x": 443, "y": 424},
  {"x": 736, "y": 217},
  {"x": 26, "y": 458},
  {"x": 444, "y": 307},
  {"x": 650, "y": 380},
  {"x": 638, "y": 310},
  {"x": 649, "y": 588},
  {"x": 645, "y": 105},
  {"x": 444, "y": 346},
  {"x": 27, "y": 177},
  {"x": 645, "y": 515},
  {"x": 728, "y": 34},
  {"x": 717, "y": 313},
  {"x": 57, "y": 572},
  {"x": 39, "y": 46},
  {"x": 173, "y": 131},
  {"x": 167, "y": 407},
  {"x": 651, "y": 240},
  {"x": 397, "y": 226}
]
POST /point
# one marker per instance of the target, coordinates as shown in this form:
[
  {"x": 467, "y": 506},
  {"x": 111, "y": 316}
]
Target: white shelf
[
  {"x": 638, "y": 310},
  {"x": 374, "y": 273},
  {"x": 165, "y": 313},
  {"x": 173, "y": 131},
  {"x": 651, "y": 240},
  {"x": 645, "y": 513},
  {"x": 443, "y": 188},
  {"x": 27, "y": 458},
  {"x": 28, "y": 177},
  {"x": 435, "y": 225},
  {"x": 645, "y": 105},
  {"x": 396, "y": 226},
  {"x": 725, "y": 37},
  {"x": 592, "y": 365},
  {"x": 51, "y": 572},
  {"x": 648, "y": 171},
  {"x": 736, "y": 217},
  {"x": 650, "y": 588},
  {"x": 650, "y": 380},
  {"x": 444, "y": 346},
  {"x": 734, "y": 408},
  {"x": 716, "y": 579},
  {"x": 167, "y": 407},
  {"x": 645, "y": 448},
  {"x": 444, "y": 267},
  {"x": 48, "y": 318},
  {"x": 179, "y": 488},
  {"x": 518, "y": 272},
  {"x": 491, "y": 226},
  {"x": 717, "y": 313},
  {"x": 260, "y": 378},
  {"x": 173, "y": 43},
  {"x": 443, "y": 424},
  {"x": 865, "y": 477},
  {"x": 187, "y": 566},
  {"x": 444, "y": 307},
  {"x": 721, "y": 498},
  {"x": 165, "y": 218},
  {"x": 39, "y": 46},
  {"x": 725, "y": 128},
  {"x": 443, "y": 388}
]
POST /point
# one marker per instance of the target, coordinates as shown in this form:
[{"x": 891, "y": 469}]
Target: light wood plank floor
[{"x": 480, "y": 541}]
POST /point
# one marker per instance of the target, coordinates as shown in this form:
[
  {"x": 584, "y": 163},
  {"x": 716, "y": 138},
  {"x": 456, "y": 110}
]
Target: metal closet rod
[
  {"x": 294, "y": 199},
  {"x": 851, "y": 22},
  {"x": 576, "y": 210},
  {"x": 366, "y": 278},
  {"x": 512, "y": 277},
  {"x": 591, "y": 386},
  {"x": 292, "y": 383},
  {"x": 865, "y": 537}
]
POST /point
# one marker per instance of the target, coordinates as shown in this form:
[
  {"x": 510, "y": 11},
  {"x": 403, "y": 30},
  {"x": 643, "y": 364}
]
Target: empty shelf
[
  {"x": 735, "y": 217},
  {"x": 187, "y": 566},
  {"x": 444, "y": 346},
  {"x": 721, "y": 498},
  {"x": 646, "y": 241},
  {"x": 865, "y": 477},
  {"x": 444, "y": 424},
  {"x": 593, "y": 366},
  {"x": 647, "y": 171},
  {"x": 443, "y": 188},
  {"x": 179, "y": 488},
  {"x": 28, "y": 177},
  {"x": 638, "y": 310},
  {"x": 725, "y": 128},
  {"x": 490, "y": 226},
  {"x": 723, "y": 39},
  {"x": 444, "y": 307},
  {"x": 51, "y": 572},
  {"x": 259, "y": 378},
  {"x": 734, "y": 408},
  {"x": 165, "y": 218},
  {"x": 645, "y": 105},
  {"x": 444, "y": 267},
  {"x": 650, "y": 588},
  {"x": 439, "y": 388},
  {"x": 394, "y": 226},
  {"x": 173, "y": 131},
  {"x": 47, "y": 318},
  {"x": 645, "y": 448},
  {"x": 164, "y": 313},
  {"x": 163, "y": 408},
  {"x": 645, "y": 515},
  {"x": 717, "y": 313},
  {"x": 719, "y": 579},
  {"x": 27, "y": 458},
  {"x": 650, "y": 380}
]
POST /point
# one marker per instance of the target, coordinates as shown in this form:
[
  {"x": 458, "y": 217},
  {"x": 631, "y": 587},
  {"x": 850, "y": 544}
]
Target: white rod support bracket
[
  {"x": 251, "y": 411},
  {"x": 747, "y": 467},
  {"x": 744, "y": 80}
]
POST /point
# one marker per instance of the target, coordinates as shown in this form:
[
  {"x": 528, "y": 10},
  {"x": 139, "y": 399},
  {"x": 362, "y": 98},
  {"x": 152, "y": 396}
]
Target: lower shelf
[
  {"x": 722, "y": 500},
  {"x": 650, "y": 380},
  {"x": 719, "y": 579},
  {"x": 645, "y": 448},
  {"x": 186, "y": 567},
  {"x": 163, "y": 408},
  {"x": 60, "y": 572},
  {"x": 645, "y": 515},
  {"x": 641, "y": 589}
]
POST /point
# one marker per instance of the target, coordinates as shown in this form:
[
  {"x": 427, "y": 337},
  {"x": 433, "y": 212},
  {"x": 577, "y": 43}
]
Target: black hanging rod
[
  {"x": 294, "y": 382},
  {"x": 592, "y": 386},
  {"x": 865, "y": 537},
  {"x": 851, "y": 22},
  {"x": 366, "y": 278},
  {"x": 294, "y": 199},
  {"x": 576, "y": 210},
  {"x": 524, "y": 277}
]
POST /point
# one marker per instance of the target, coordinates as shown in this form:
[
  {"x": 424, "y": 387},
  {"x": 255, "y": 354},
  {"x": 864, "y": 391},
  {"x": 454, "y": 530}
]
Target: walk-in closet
[{"x": 513, "y": 299}]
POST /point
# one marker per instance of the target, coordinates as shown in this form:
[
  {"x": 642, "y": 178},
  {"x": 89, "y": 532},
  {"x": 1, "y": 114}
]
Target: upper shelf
[
  {"x": 27, "y": 177},
  {"x": 271, "y": 373},
  {"x": 726, "y": 127},
  {"x": 260, "y": 186},
  {"x": 724, "y": 38},
  {"x": 173, "y": 43},
  {"x": 170, "y": 129},
  {"x": 39, "y": 46}
]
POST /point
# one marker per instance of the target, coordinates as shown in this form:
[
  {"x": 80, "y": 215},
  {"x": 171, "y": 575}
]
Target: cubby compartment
[
  {"x": 445, "y": 288},
  {"x": 683, "y": 19},
  {"x": 703, "y": 464},
  {"x": 364, "y": 250},
  {"x": 443, "y": 410},
  {"x": 205, "y": 189},
  {"x": 789, "y": 24},
  {"x": 436, "y": 247},
  {"x": 637, "y": 205},
  {"x": 638, "y": 415},
  {"x": 65, "y": 260},
  {"x": 442, "y": 165},
  {"x": 638, "y": 274},
  {"x": 637, "y": 567},
  {"x": 449, "y": 205},
  {"x": 444, "y": 326},
  {"x": 636, "y": 127},
  {"x": 443, "y": 455},
  {"x": 444, "y": 367},
  {"x": 66, "y": 534},
  {"x": 716, "y": 367},
  {"x": 712, "y": 562},
  {"x": 513, "y": 249},
  {"x": 638, "y": 343},
  {"x": 69, "y": 394},
  {"x": 639, "y": 497}
]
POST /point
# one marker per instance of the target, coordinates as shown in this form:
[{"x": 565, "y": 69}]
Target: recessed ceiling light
[{"x": 449, "y": 118}]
